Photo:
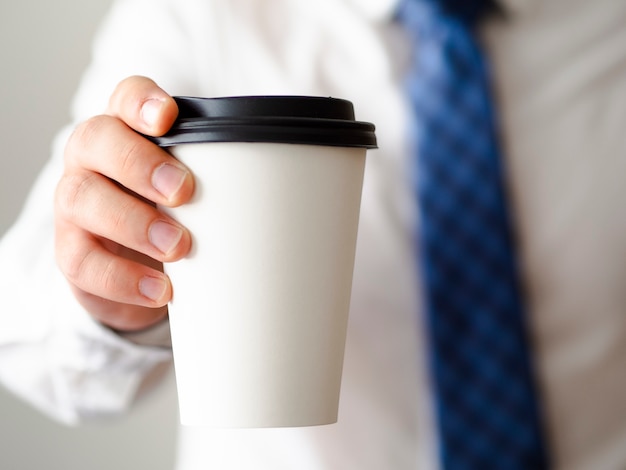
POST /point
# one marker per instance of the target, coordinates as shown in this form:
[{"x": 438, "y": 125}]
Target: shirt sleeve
[{"x": 52, "y": 353}]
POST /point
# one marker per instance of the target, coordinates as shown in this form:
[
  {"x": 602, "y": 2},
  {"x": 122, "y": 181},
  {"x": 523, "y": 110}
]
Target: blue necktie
[{"x": 487, "y": 411}]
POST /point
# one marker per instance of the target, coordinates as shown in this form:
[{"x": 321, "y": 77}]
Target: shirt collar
[
  {"x": 383, "y": 10},
  {"x": 376, "y": 10}
]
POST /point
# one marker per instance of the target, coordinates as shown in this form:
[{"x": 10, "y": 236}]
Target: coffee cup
[{"x": 260, "y": 305}]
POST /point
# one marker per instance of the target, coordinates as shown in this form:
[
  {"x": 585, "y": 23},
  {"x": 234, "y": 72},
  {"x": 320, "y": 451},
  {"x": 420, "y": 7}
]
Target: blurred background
[{"x": 44, "y": 47}]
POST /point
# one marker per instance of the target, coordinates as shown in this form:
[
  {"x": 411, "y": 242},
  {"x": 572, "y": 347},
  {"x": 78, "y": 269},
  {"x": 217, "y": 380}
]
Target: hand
[{"x": 111, "y": 241}]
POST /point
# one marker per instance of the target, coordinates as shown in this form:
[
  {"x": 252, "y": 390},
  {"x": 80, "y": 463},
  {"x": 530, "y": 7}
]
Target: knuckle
[
  {"x": 108, "y": 276},
  {"x": 73, "y": 260},
  {"x": 83, "y": 266},
  {"x": 70, "y": 193},
  {"x": 90, "y": 137},
  {"x": 83, "y": 138},
  {"x": 129, "y": 156},
  {"x": 124, "y": 215}
]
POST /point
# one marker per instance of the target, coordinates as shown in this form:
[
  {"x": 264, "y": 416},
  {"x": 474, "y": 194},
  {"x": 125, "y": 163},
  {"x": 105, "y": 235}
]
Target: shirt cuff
[{"x": 157, "y": 335}]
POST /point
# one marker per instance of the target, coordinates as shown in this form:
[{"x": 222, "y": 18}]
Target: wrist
[{"x": 157, "y": 335}]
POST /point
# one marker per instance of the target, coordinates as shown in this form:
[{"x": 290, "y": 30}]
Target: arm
[{"x": 54, "y": 349}]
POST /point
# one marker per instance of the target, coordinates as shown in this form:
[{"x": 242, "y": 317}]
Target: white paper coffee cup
[{"x": 260, "y": 306}]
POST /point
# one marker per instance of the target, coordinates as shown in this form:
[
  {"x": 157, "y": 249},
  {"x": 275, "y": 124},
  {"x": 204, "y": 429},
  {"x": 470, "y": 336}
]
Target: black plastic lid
[{"x": 279, "y": 119}]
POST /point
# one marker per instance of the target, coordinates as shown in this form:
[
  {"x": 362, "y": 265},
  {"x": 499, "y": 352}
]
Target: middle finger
[{"x": 96, "y": 204}]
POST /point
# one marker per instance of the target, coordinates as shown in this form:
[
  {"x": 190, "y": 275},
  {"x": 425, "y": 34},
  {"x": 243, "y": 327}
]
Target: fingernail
[
  {"x": 152, "y": 287},
  {"x": 164, "y": 236},
  {"x": 168, "y": 179},
  {"x": 150, "y": 111}
]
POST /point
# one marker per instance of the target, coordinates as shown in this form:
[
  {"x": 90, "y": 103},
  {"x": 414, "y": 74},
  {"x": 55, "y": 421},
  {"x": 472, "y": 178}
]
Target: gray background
[{"x": 44, "y": 46}]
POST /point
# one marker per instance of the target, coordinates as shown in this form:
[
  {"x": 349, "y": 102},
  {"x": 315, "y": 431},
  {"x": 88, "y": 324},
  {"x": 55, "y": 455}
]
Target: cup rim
[{"x": 291, "y": 119}]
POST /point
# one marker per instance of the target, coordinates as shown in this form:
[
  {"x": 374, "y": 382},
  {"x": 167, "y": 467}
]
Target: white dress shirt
[{"x": 560, "y": 69}]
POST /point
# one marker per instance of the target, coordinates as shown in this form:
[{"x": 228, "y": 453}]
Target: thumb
[{"x": 143, "y": 105}]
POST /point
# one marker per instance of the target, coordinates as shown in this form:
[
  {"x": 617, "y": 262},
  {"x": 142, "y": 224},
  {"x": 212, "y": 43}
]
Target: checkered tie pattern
[{"x": 486, "y": 399}]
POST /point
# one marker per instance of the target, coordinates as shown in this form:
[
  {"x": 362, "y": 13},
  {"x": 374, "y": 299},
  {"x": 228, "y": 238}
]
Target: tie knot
[{"x": 470, "y": 12}]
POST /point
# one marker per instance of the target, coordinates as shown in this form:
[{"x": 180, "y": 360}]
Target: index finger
[{"x": 107, "y": 146}]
